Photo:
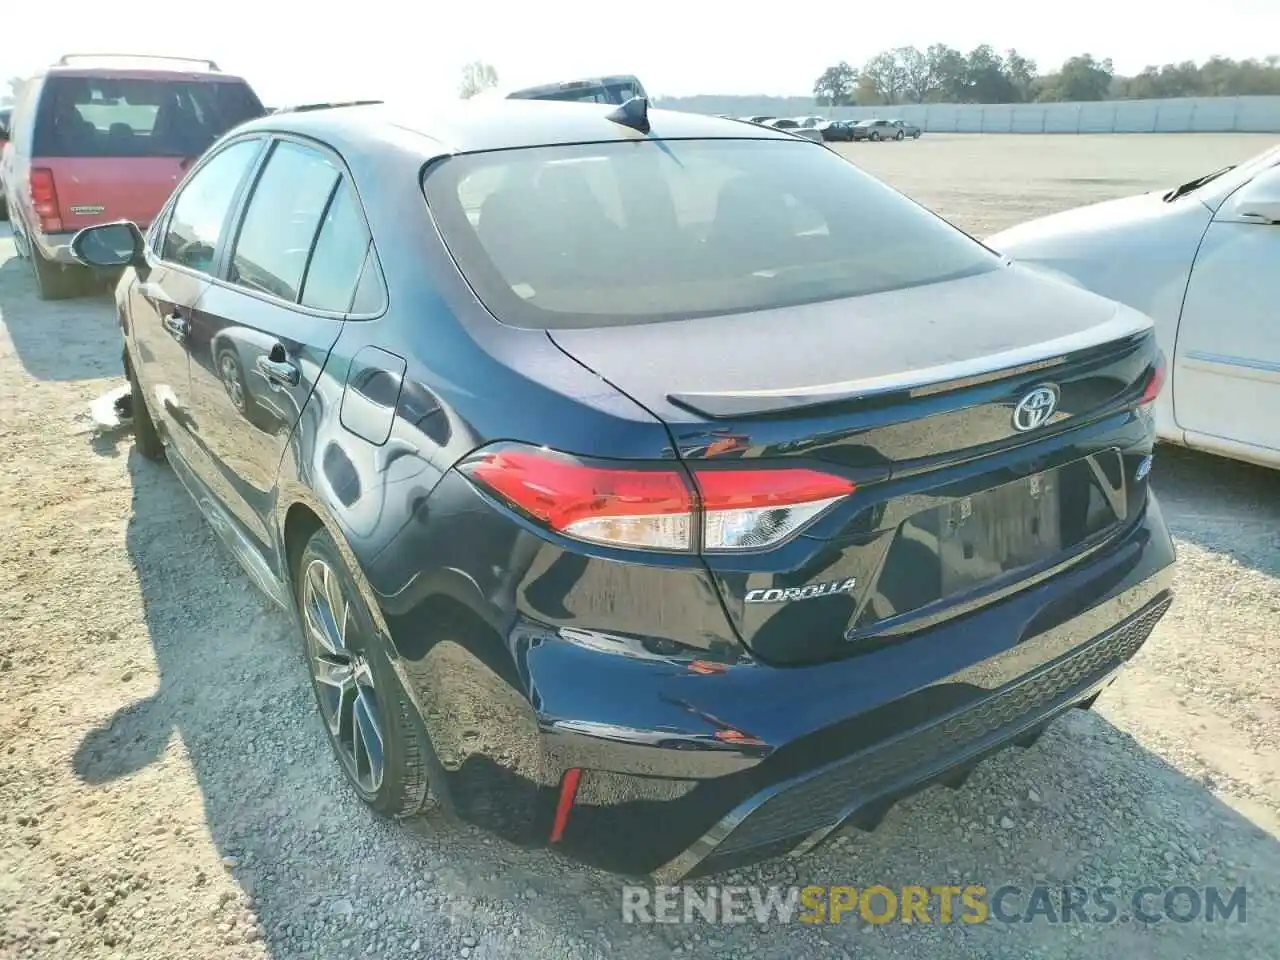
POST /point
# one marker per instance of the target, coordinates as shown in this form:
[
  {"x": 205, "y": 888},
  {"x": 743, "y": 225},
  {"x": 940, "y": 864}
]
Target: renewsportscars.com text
[{"x": 938, "y": 903}]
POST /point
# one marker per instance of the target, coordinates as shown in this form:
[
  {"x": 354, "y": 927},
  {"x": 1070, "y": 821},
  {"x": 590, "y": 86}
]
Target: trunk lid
[
  {"x": 95, "y": 190},
  {"x": 911, "y": 394}
]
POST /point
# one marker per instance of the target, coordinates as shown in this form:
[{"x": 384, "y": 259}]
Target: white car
[{"x": 1203, "y": 261}]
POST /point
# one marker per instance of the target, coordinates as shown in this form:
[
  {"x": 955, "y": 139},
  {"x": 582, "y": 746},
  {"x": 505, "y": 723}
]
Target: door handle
[
  {"x": 278, "y": 370},
  {"x": 176, "y": 325}
]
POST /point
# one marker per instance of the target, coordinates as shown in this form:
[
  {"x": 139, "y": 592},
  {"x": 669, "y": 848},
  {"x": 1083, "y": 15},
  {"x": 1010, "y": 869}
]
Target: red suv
[{"x": 97, "y": 138}]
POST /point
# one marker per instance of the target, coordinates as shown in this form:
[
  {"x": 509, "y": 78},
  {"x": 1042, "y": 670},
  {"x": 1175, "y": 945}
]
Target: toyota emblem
[{"x": 1035, "y": 409}]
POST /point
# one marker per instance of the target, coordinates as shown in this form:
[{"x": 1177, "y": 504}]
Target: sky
[{"x": 390, "y": 49}]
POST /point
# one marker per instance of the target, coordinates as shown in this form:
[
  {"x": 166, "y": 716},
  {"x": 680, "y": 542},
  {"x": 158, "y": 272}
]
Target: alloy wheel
[{"x": 343, "y": 679}]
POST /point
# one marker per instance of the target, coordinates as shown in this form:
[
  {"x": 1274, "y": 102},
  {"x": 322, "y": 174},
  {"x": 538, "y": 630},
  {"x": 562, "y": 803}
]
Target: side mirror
[
  {"x": 1259, "y": 199},
  {"x": 1267, "y": 208},
  {"x": 118, "y": 244}
]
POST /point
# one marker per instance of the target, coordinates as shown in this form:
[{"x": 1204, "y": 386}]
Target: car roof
[
  {"x": 467, "y": 126},
  {"x": 143, "y": 73},
  {"x": 127, "y": 66}
]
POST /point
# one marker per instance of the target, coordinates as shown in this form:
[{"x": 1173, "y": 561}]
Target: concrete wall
[{"x": 1181, "y": 115}]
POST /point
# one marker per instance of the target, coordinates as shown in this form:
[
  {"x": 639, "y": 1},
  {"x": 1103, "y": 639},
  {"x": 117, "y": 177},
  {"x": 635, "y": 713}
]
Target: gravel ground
[{"x": 166, "y": 790}]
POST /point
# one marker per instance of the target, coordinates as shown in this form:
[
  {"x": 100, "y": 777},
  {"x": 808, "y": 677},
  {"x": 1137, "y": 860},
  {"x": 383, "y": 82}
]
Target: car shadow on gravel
[
  {"x": 1224, "y": 506},
  {"x": 323, "y": 877},
  {"x": 58, "y": 340}
]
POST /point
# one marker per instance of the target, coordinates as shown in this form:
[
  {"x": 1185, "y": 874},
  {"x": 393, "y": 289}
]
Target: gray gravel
[{"x": 166, "y": 790}]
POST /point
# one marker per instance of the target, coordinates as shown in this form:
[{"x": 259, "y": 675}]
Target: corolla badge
[
  {"x": 1035, "y": 409},
  {"x": 807, "y": 592}
]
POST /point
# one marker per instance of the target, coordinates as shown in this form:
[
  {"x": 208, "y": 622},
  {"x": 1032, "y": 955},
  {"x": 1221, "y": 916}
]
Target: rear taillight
[
  {"x": 655, "y": 508},
  {"x": 749, "y": 509},
  {"x": 1152, "y": 389},
  {"x": 44, "y": 199},
  {"x": 639, "y": 508}
]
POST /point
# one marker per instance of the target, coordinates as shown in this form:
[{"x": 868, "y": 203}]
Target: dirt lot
[{"x": 166, "y": 790}]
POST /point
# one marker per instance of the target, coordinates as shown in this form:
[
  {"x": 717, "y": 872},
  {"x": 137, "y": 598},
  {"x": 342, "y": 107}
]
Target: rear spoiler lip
[{"x": 1125, "y": 328}]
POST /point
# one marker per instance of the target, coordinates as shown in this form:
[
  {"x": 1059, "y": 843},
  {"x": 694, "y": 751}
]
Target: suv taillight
[
  {"x": 44, "y": 199},
  {"x": 654, "y": 508}
]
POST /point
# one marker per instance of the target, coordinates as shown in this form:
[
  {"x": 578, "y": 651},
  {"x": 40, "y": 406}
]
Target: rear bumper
[
  {"x": 55, "y": 247},
  {"x": 799, "y": 814},
  {"x": 690, "y": 767}
]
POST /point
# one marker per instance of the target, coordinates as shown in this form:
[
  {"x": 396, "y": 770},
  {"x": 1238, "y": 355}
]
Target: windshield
[
  {"x": 138, "y": 117},
  {"x": 633, "y": 232}
]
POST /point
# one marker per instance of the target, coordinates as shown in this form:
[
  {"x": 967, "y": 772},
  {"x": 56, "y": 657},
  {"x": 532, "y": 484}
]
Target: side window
[
  {"x": 370, "y": 294},
  {"x": 199, "y": 213},
  {"x": 339, "y": 255},
  {"x": 280, "y": 222}
]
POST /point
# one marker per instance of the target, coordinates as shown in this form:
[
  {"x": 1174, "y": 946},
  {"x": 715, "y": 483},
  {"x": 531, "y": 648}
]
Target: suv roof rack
[
  {"x": 67, "y": 59},
  {"x": 303, "y": 107}
]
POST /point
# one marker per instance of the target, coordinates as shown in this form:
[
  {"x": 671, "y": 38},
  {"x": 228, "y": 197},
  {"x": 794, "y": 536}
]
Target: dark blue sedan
[{"x": 659, "y": 488}]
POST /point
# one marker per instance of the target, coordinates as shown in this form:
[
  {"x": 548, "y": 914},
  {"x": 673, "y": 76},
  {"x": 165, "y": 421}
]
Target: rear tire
[
  {"x": 875, "y": 136},
  {"x": 364, "y": 709},
  {"x": 901, "y": 135},
  {"x": 145, "y": 436},
  {"x": 56, "y": 281}
]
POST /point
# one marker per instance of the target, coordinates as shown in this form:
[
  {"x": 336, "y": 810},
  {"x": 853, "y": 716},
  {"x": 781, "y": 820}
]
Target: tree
[
  {"x": 950, "y": 72},
  {"x": 1021, "y": 73},
  {"x": 917, "y": 73},
  {"x": 1081, "y": 78},
  {"x": 942, "y": 74},
  {"x": 836, "y": 85},
  {"x": 15, "y": 87},
  {"x": 988, "y": 79},
  {"x": 476, "y": 76},
  {"x": 885, "y": 75}
]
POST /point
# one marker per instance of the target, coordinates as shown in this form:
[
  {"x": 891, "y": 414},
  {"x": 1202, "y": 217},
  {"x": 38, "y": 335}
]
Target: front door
[
  {"x": 262, "y": 334},
  {"x": 1226, "y": 377},
  {"x": 176, "y": 276}
]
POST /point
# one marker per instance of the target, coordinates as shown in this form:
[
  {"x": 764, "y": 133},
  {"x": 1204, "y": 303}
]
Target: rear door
[
  {"x": 117, "y": 144},
  {"x": 179, "y": 267},
  {"x": 262, "y": 333}
]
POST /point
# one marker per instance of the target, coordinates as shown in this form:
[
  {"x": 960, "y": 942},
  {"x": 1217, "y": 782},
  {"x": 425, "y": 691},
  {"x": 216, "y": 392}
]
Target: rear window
[
  {"x": 631, "y": 232},
  {"x": 138, "y": 117}
]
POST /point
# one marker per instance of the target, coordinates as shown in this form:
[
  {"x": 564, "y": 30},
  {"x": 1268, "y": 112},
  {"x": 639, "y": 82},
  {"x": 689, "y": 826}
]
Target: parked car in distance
[
  {"x": 793, "y": 127},
  {"x": 1201, "y": 260},
  {"x": 811, "y": 121},
  {"x": 876, "y": 129},
  {"x": 836, "y": 130},
  {"x": 905, "y": 130},
  {"x": 98, "y": 138},
  {"x": 761, "y": 521},
  {"x": 760, "y": 119}
]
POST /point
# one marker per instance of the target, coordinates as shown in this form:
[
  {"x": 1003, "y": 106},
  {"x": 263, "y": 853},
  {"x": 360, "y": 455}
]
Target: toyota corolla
[{"x": 658, "y": 488}]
